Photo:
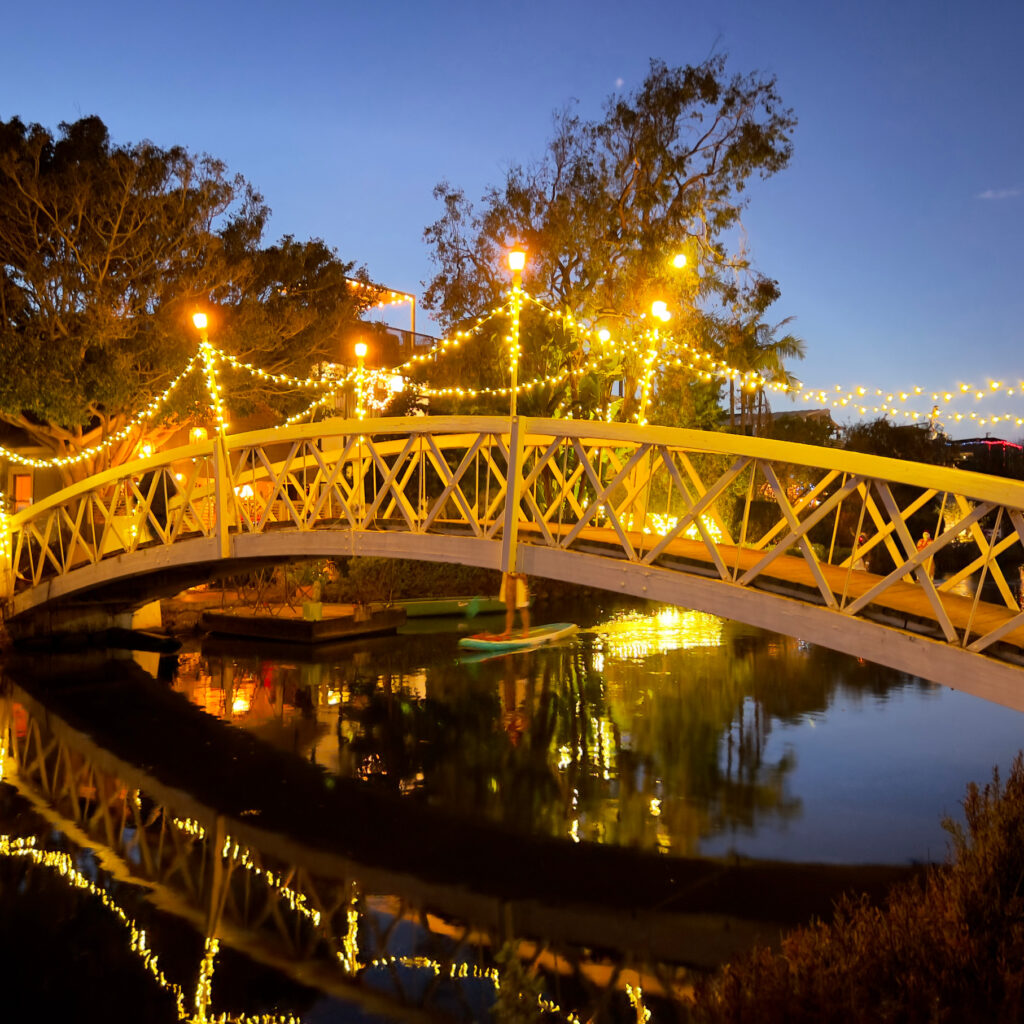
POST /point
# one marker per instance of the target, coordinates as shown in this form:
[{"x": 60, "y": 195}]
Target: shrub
[{"x": 947, "y": 947}]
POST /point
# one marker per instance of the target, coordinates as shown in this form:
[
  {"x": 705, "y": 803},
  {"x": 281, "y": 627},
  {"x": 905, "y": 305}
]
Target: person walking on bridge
[{"x": 929, "y": 563}]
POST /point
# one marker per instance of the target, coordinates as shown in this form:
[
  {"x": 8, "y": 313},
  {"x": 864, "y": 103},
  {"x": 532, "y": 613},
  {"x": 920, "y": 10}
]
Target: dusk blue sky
[{"x": 895, "y": 234}]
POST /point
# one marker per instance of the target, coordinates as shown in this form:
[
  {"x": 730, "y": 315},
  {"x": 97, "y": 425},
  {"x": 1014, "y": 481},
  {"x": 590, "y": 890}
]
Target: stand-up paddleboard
[{"x": 497, "y": 642}]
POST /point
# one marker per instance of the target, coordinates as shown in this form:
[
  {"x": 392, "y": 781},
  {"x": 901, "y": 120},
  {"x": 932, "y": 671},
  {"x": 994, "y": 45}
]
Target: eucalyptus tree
[{"x": 608, "y": 205}]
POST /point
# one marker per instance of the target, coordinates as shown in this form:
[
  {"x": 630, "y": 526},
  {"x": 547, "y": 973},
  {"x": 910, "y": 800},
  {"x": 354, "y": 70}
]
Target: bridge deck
[{"x": 907, "y": 598}]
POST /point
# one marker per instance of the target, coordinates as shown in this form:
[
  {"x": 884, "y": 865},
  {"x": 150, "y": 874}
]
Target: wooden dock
[{"x": 284, "y": 623}]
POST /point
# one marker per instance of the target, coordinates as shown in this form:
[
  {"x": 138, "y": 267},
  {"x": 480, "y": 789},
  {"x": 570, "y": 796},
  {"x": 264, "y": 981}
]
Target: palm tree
[{"x": 757, "y": 352}]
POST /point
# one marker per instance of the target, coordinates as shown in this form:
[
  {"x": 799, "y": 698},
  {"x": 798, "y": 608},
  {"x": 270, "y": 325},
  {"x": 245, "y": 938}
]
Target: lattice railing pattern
[{"x": 834, "y": 528}]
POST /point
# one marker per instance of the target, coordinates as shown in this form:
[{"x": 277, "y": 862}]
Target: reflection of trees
[{"x": 574, "y": 741}]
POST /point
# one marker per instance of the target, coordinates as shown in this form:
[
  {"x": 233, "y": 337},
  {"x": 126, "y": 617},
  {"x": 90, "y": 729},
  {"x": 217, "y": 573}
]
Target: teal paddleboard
[{"x": 516, "y": 641}]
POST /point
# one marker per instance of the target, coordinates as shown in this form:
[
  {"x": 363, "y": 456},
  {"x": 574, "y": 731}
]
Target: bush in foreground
[{"x": 947, "y": 947}]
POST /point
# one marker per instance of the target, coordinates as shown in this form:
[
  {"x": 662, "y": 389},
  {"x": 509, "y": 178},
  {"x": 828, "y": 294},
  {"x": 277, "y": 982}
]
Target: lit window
[{"x": 22, "y": 491}]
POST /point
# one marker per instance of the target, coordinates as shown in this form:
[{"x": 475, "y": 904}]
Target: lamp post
[
  {"x": 223, "y": 494},
  {"x": 201, "y": 323},
  {"x": 360, "y": 351},
  {"x": 659, "y": 311},
  {"x": 516, "y": 262}
]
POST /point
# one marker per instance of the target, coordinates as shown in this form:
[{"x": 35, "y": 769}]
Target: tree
[
  {"x": 898, "y": 441},
  {"x": 105, "y": 251},
  {"x": 754, "y": 347},
  {"x": 608, "y": 205}
]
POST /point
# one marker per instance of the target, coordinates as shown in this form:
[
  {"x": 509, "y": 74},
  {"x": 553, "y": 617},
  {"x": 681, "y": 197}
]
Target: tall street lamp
[
  {"x": 516, "y": 262},
  {"x": 201, "y": 323},
  {"x": 360, "y": 351},
  {"x": 659, "y": 311}
]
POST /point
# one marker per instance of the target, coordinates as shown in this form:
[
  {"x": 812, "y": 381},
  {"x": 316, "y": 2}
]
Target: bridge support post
[
  {"x": 219, "y": 878},
  {"x": 223, "y": 493},
  {"x": 513, "y": 495},
  {"x": 6, "y": 564}
]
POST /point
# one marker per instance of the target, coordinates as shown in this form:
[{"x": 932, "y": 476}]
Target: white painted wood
[{"x": 363, "y": 493}]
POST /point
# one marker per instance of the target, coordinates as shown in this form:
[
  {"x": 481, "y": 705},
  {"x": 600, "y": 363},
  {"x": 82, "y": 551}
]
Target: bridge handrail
[
  {"x": 1002, "y": 490},
  {"x": 97, "y": 481},
  {"x": 980, "y": 486}
]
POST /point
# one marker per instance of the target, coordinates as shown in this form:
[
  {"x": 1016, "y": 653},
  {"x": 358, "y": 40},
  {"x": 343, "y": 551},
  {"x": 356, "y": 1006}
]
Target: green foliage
[
  {"x": 821, "y": 432},
  {"x": 603, "y": 212},
  {"x": 682, "y": 401},
  {"x": 384, "y": 579},
  {"x": 913, "y": 443},
  {"x": 750, "y": 345},
  {"x": 106, "y": 250},
  {"x": 948, "y": 947}
]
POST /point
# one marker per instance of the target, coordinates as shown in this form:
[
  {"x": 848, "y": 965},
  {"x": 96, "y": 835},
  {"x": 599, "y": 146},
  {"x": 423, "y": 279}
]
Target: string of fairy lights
[
  {"x": 652, "y": 347},
  {"x": 677, "y": 352}
]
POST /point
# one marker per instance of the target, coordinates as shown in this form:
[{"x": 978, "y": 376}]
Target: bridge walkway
[{"x": 791, "y": 575}]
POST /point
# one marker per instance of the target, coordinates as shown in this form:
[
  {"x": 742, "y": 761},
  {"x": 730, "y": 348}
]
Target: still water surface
[
  {"x": 669, "y": 730},
  {"x": 670, "y": 733}
]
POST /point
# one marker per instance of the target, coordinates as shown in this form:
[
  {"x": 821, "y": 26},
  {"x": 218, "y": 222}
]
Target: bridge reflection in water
[{"x": 377, "y": 899}]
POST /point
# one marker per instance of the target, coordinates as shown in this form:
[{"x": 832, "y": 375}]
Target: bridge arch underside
[{"x": 886, "y": 636}]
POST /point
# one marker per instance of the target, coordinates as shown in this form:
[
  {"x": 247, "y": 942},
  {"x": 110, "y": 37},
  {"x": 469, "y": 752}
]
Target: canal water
[{"x": 658, "y": 734}]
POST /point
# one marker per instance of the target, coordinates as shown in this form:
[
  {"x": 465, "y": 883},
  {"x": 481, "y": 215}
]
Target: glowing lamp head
[
  {"x": 396, "y": 383},
  {"x": 516, "y": 259},
  {"x": 679, "y": 260},
  {"x": 659, "y": 309},
  {"x": 199, "y": 319},
  {"x": 361, "y": 350},
  {"x": 604, "y": 334}
]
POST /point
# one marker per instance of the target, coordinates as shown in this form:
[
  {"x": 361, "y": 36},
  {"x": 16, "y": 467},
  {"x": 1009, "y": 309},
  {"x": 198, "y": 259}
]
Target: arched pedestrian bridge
[{"x": 752, "y": 529}]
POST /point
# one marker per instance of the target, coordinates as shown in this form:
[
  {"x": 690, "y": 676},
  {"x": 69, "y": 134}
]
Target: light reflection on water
[{"x": 673, "y": 731}]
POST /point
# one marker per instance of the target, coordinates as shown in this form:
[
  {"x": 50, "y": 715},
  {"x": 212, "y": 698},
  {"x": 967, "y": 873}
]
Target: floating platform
[
  {"x": 499, "y": 642},
  {"x": 337, "y": 622}
]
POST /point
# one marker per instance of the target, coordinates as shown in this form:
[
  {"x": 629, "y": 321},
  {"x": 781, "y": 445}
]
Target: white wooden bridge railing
[{"x": 748, "y": 514}]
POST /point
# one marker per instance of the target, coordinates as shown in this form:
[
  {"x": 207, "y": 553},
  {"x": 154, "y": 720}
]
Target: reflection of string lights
[
  {"x": 190, "y": 827},
  {"x": 636, "y": 1001},
  {"x": 62, "y": 864},
  {"x": 634, "y": 636},
  {"x": 349, "y": 953}
]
